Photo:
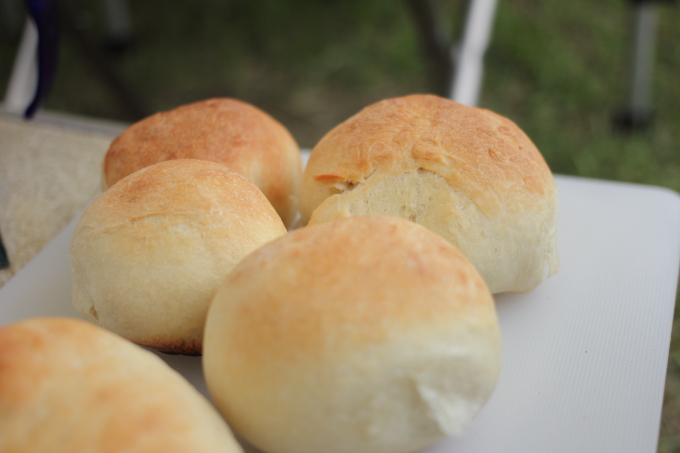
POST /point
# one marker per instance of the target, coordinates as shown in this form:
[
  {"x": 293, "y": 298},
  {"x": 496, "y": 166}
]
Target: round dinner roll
[
  {"x": 364, "y": 335},
  {"x": 222, "y": 130},
  {"x": 466, "y": 173},
  {"x": 69, "y": 386},
  {"x": 149, "y": 253}
]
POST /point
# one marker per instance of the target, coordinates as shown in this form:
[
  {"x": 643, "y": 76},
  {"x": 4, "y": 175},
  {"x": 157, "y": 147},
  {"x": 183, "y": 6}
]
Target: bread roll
[
  {"x": 148, "y": 254},
  {"x": 465, "y": 173},
  {"x": 363, "y": 335},
  {"x": 225, "y": 131},
  {"x": 68, "y": 386}
]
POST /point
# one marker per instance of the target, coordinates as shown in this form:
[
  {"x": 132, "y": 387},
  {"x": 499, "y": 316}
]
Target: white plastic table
[{"x": 584, "y": 355}]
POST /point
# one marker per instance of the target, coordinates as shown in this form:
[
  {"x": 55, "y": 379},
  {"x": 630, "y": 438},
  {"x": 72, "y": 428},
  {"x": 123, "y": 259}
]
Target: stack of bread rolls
[
  {"x": 222, "y": 130},
  {"x": 371, "y": 328},
  {"x": 191, "y": 192}
]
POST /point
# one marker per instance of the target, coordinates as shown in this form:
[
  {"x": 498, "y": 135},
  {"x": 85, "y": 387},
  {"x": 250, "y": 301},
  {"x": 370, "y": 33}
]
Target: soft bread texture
[
  {"x": 149, "y": 253},
  {"x": 222, "y": 130},
  {"x": 363, "y": 335},
  {"x": 465, "y": 173},
  {"x": 69, "y": 386}
]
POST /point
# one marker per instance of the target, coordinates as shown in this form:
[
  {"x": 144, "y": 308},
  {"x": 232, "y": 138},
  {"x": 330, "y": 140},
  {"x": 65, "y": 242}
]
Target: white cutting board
[{"x": 584, "y": 355}]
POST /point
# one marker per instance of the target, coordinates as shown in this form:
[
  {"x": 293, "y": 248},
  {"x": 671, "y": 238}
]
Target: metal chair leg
[
  {"x": 638, "y": 112},
  {"x": 469, "y": 57},
  {"x": 24, "y": 77},
  {"x": 118, "y": 24}
]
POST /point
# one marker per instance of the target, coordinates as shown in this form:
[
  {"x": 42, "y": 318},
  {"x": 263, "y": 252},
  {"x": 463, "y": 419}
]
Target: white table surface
[{"x": 584, "y": 355}]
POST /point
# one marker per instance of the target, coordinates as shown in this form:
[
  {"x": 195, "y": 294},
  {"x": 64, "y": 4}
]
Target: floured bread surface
[
  {"x": 467, "y": 174},
  {"x": 363, "y": 335},
  {"x": 222, "y": 130},
  {"x": 69, "y": 386},
  {"x": 148, "y": 254}
]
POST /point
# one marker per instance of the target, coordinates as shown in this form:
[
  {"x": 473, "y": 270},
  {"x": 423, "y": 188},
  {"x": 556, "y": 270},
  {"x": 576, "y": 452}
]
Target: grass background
[{"x": 558, "y": 69}]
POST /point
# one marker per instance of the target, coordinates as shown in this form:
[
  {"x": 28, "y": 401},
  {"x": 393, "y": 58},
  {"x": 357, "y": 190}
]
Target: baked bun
[
  {"x": 465, "y": 173},
  {"x": 225, "y": 131},
  {"x": 364, "y": 335},
  {"x": 68, "y": 386},
  {"x": 149, "y": 253}
]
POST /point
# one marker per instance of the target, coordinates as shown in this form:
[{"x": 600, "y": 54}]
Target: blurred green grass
[{"x": 558, "y": 69}]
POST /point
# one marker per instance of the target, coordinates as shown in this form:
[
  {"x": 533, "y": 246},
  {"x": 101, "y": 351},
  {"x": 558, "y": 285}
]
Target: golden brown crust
[
  {"x": 401, "y": 263},
  {"x": 367, "y": 334},
  {"x": 480, "y": 153},
  {"x": 148, "y": 255},
  {"x": 182, "y": 187},
  {"x": 465, "y": 173},
  {"x": 226, "y": 131},
  {"x": 69, "y": 386}
]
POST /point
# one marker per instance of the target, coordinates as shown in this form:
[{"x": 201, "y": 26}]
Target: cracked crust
[{"x": 468, "y": 174}]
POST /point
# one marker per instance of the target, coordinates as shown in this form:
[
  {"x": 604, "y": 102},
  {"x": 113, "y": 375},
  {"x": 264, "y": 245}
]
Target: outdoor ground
[{"x": 557, "y": 68}]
